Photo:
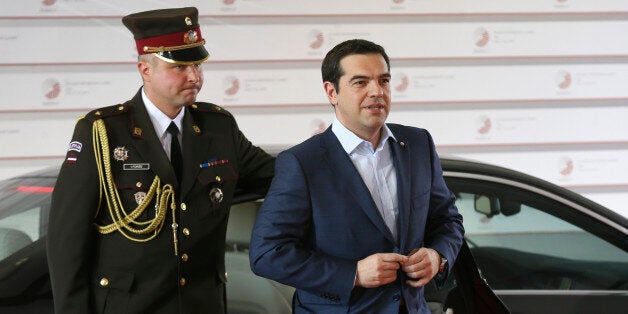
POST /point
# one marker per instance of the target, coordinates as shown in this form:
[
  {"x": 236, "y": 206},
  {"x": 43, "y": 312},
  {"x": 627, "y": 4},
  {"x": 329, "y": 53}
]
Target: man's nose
[
  {"x": 193, "y": 74},
  {"x": 375, "y": 90}
]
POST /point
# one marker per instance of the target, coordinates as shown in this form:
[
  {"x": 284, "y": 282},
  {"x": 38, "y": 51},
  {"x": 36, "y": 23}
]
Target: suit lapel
[
  {"x": 342, "y": 167},
  {"x": 196, "y": 143},
  {"x": 147, "y": 142},
  {"x": 401, "y": 161}
]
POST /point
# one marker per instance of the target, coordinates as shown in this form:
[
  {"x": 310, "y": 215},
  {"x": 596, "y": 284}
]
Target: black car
[{"x": 542, "y": 248}]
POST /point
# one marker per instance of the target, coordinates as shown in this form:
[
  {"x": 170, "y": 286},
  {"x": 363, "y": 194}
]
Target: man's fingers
[{"x": 393, "y": 257}]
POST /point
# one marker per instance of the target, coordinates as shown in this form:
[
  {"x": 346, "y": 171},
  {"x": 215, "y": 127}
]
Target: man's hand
[
  {"x": 422, "y": 266},
  {"x": 379, "y": 269}
]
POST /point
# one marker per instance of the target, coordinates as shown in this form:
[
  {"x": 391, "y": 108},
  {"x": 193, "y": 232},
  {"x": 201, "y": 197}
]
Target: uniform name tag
[{"x": 143, "y": 166}]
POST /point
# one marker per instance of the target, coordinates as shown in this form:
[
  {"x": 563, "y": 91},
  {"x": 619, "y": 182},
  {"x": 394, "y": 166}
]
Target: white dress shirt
[
  {"x": 376, "y": 169},
  {"x": 161, "y": 122}
]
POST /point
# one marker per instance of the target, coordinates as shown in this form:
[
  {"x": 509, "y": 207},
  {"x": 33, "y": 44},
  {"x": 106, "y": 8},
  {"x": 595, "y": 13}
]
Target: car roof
[{"x": 455, "y": 166}]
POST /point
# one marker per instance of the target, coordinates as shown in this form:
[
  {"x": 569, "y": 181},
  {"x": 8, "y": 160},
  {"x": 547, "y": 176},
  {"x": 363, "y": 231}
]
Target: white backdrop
[{"x": 538, "y": 85}]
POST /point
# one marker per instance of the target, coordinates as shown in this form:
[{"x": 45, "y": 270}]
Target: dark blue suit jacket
[{"x": 319, "y": 219}]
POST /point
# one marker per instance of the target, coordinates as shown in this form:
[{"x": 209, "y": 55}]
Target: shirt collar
[
  {"x": 160, "y": 120},
  {"x": 350, "y": 141}
]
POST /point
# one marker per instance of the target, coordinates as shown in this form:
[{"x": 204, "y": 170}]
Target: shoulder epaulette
[
  {"x": 207, "y": 107},
  {"x": 107, "y": 112}
]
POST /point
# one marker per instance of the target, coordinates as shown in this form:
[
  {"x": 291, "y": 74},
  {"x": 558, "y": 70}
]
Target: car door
[
  {"x": 24, "y": 283},
  {"x": 541, "y": 248}
]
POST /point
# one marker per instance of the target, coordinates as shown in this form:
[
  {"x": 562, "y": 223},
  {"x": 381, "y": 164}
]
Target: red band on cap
[{"x": 175, "y": 40}]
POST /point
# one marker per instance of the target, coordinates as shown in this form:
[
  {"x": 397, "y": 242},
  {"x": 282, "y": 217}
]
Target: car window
[
  {"x": 241, "y": 221},
  {"x": 23, "y": 212},
  {"x": 522, "y": 240}
]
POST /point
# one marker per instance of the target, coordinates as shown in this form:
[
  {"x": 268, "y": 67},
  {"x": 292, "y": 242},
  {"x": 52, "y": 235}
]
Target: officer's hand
[
  {"x": 422, "y": 266},
  {"x": 378, "y": 269}
]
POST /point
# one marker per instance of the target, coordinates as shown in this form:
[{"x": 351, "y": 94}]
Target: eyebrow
[{"x": 358, "y": 77}]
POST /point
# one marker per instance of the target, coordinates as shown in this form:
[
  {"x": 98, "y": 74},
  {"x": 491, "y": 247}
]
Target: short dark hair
[{"x": 331, "y": 69}]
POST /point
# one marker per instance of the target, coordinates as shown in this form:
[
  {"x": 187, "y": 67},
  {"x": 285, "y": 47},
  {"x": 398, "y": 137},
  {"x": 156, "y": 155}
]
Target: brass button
[
  {"x": 183, "y": 206},
  {"x": 97, "y": 113},
  {"x": 104, "y": 282},
  {"x": 138, "y": 184},
  {"x": 182, "y": 281},
  {"x": 184, "y": 257},
  {"x": 121, "y": 108},
  {"x": 218, "y": 178},
  {"x": 186, "y": 231},
  {"x": 194, "y": 106}
]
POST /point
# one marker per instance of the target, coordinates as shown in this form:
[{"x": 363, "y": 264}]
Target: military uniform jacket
[{"x": 109, "y": 273}]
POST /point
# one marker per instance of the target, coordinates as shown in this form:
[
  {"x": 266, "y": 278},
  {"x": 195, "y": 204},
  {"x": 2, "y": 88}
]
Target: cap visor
[{"x": 185, "y": 56}]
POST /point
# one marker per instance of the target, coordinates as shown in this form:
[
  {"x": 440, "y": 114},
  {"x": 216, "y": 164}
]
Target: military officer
[{"x": 139, "y": 212}]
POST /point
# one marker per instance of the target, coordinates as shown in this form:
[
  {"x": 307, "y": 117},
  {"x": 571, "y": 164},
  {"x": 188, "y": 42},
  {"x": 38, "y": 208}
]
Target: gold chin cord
[{"x": 125, "y": 223}]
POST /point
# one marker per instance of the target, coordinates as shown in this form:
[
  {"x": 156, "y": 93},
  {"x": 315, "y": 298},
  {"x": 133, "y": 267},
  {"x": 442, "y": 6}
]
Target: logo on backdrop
[
  {"x": 483, "y": 124},
  {"x": 51, "y": 88},
  {"x": 228, "y": 2},
  {"x": 231, "y": 85},
  {"x": 398, "y": 1},
  {"x": 401, "y": 82},
  {"x": 563, "y": 79},
  {"x": 481, "y": 37},
  {"x": 48, "y": 2},
  {"x": 565, "y": 166},
  {"x": 316, "y": 39}
]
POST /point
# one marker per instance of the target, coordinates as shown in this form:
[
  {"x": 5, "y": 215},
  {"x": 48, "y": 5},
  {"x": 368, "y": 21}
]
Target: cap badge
[
  {"x": 188, "y": 21},
  {"x": 120, "y": 153},
  {"x": 190, "y": 37}
]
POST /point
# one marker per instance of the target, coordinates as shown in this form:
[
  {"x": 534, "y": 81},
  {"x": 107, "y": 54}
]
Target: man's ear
[
  {"x": 145, "y": 70},
  {"x": 330, "y": 91}
]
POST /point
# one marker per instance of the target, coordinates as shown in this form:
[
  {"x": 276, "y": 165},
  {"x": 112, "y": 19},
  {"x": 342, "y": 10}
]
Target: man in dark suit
[
  {"x": 358, "y": 219},
  {"x": 139, "y": 212}
]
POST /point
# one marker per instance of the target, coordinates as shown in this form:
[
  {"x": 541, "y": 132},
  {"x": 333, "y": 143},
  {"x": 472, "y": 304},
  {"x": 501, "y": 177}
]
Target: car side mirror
[
  {"x": 509, "y": 207},
  {"x": 486, "y": 205},
  {"x": 491, "y": 206}
]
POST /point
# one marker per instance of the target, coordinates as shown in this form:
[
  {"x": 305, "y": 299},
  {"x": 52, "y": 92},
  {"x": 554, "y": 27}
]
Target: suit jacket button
[{"x": 104, "y": 282}]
